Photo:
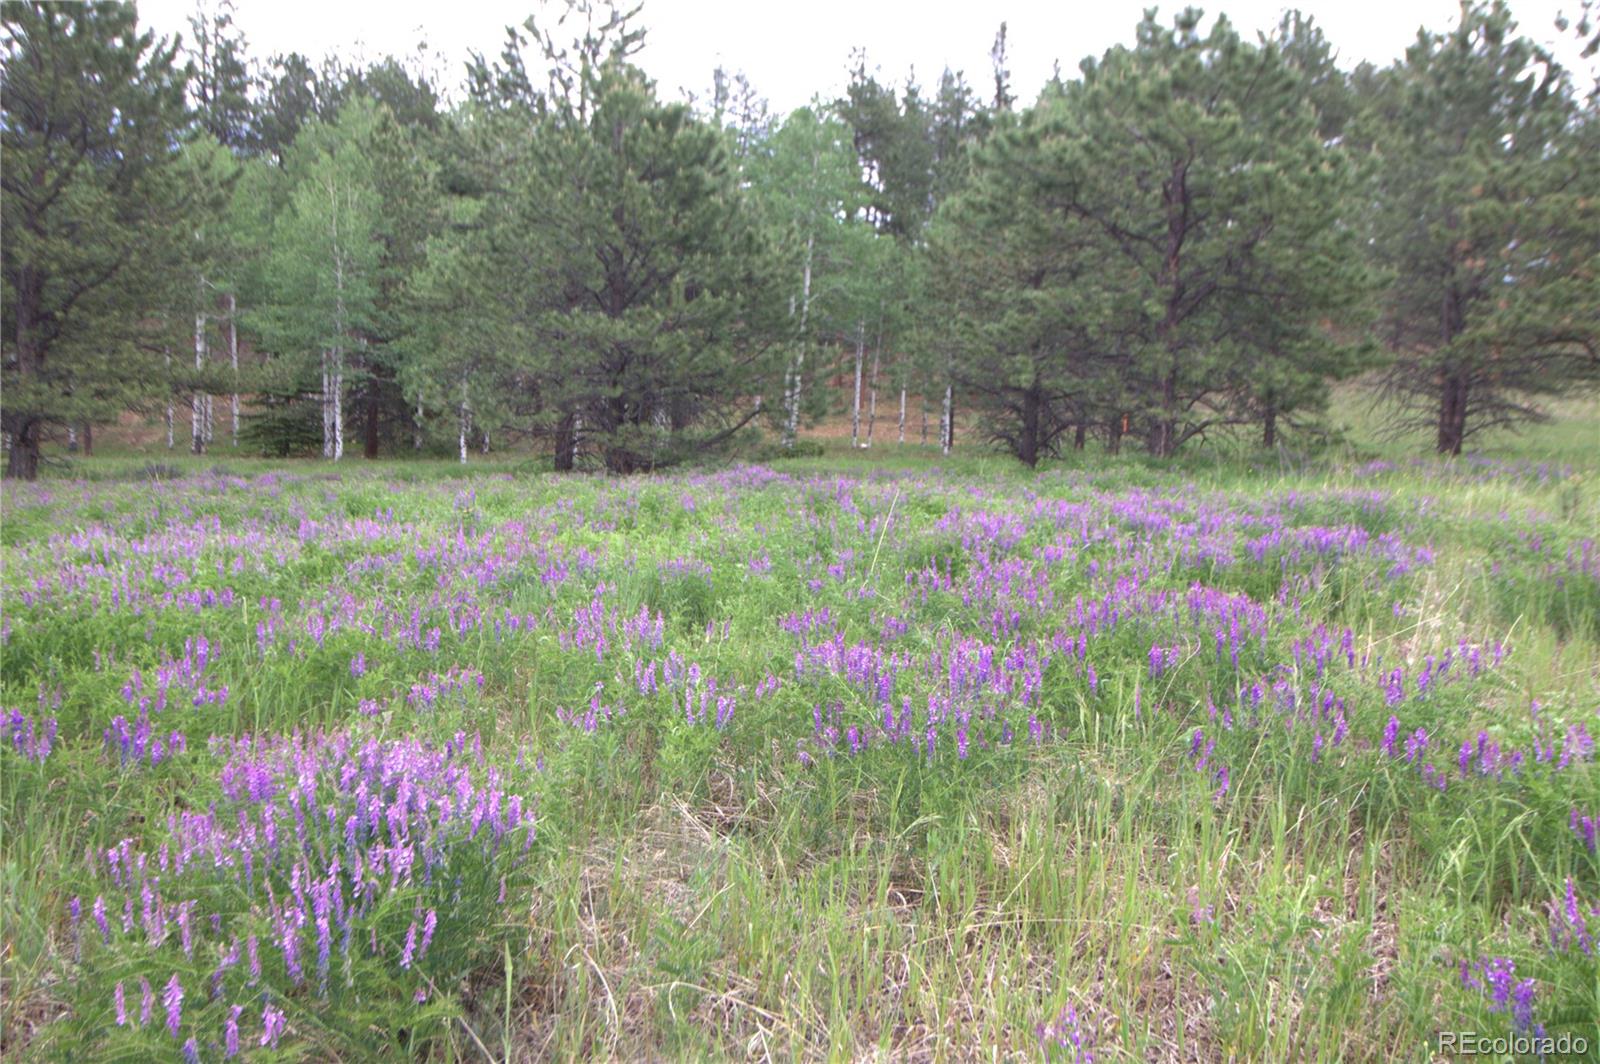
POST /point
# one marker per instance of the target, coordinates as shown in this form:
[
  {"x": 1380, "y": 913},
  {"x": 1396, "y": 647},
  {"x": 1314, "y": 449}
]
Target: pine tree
[
  {"x": 1487, "y": 218},
  {"x": 92, "y": 214}
]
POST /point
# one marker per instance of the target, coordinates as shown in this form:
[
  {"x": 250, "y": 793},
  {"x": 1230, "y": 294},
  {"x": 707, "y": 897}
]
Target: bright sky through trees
[{"x": 791, "y": 52}]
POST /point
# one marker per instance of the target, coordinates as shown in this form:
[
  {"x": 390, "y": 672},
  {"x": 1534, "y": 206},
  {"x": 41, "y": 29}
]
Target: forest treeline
[{"x": 1197, "y": 232}]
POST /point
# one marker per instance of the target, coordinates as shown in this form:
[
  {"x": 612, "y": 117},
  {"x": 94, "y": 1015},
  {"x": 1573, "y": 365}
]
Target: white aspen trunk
[
  {"x": 902, "y": 414},
  {"x": 233, "y": 357},
  {"x": 338, "y": 403},
  {"x": 791, "y": 425},
  {"x": 577, "y": 434},
  {"x": 944, "y": 422},
  {"x": 416, "y": 428},
  {"x": 872, "y": 388},
  {"x": 464, "y": 421},
  {"x": 327, "y": 410},
  {"x": 485, "y": 441},
  {"x": 855, "y": 409},
  {"x": 72, "y": 439},
  {"x": 169, "y": 399},
  {"x": 924, "y": 417},
  {"x": 335, "y": 374},
  {"x": 197, "y": 401}
]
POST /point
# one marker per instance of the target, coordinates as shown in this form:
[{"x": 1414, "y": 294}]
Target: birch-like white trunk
[
  {"x": 945, "y": 427},
  {"x": 872, "y": 387},
  {"x": 335, "y": 364},
  {"x": 169, "y": 399},
  {"x": 855, "y": 409},
  {"x": 327, "y": 410},
  {"x": 197, "y": 401},
  {"x": 233, "y": 357},
  {"x": 791, "y": 424},
  {"x": 464, "y": 422},
  {"x": 416, "y": 428},
  {"x": 338, "y": 403}
]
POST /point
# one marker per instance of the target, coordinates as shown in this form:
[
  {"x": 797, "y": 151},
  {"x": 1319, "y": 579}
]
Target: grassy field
[{"x": 884, "y": 756}]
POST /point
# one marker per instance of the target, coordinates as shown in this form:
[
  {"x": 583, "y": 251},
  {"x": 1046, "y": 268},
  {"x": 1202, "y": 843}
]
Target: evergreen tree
[
  {"x": 220, "y": 85},
  {"x": 1487, "y": 219},
  {"x": 1197, "y": 165},
  {"x": 93, "y": 216},
  {"x": 662, "y": 316}
]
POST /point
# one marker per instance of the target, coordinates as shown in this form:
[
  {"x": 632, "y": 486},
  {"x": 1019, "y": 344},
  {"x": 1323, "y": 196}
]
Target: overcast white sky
[{"x": 792, "y": 51}]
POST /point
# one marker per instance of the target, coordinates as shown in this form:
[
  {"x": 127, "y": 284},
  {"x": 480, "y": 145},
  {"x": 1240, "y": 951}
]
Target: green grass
[{"x": 739, "y": 891}]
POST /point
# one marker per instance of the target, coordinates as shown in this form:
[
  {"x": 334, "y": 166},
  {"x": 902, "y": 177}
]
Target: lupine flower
[{"x": 120, "y": 1003}]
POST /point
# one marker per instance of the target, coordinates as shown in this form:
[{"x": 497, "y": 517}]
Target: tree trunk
[
  {"x": 1163, "y": 440},
  {"x": 1269, "y": 427},
  {"x": 72, "y": 439},
  {"x": 902, "y": 415},
  {"x": 233, "y": 357},
  {"x": 338, "y": 403},
  {"x": 369, "y": 447},
  {"x": 23, "y": 430},
  {"x": 855, "y": 409},
  {"x": 88, "y": 439},
  {"x": 197, "y": 401},
  {"x": 948, "y": 429},
  {"x": 168, "y": 353},
  {"x": 1079, "y": 436},
  {"x": 416, "y": 428},
  {"x": 566, "y": 444},
  {"x": 22, "y": 460},
  {"x": 791, "y": 424},
  {"x": 1028, "y": 442},
  {"x": 327, "y": 410},
  {"x": 465, "y": 415},
  {"x": 1452, "y": 415},
  {"x": 1118, "y": 427},
  {"x": 872, "y": 386},
  {"x": 924, "y": 416}
]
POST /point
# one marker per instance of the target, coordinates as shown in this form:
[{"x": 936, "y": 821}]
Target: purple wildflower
[{"x": 172, "y": 1001}]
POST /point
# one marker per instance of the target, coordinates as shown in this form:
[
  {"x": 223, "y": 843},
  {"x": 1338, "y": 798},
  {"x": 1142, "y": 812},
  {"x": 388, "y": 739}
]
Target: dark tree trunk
[
  {"x": 1079, "y": 436},
  {"x": 22, "y": 463},
  {"x": 1164, "y": 432},
  {"x": 1028, "y": 441},
  {"x": 566, "y": 440},
  {"x": 1119, "y": 425},
  {"x": 1452, "y": 415},
  {"x": 88, "y": 439},
  {"x": 1269, "y": 428},
  {"x": 369, "y": 449}
]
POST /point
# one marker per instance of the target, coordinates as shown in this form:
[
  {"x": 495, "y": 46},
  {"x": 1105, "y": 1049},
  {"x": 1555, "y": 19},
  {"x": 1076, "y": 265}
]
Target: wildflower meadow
[{"x": 817, "y": 760}]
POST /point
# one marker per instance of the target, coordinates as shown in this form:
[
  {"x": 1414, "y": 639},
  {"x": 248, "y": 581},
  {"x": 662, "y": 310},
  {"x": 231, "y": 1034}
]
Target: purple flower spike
[{"x": 172, "y": 1000}]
